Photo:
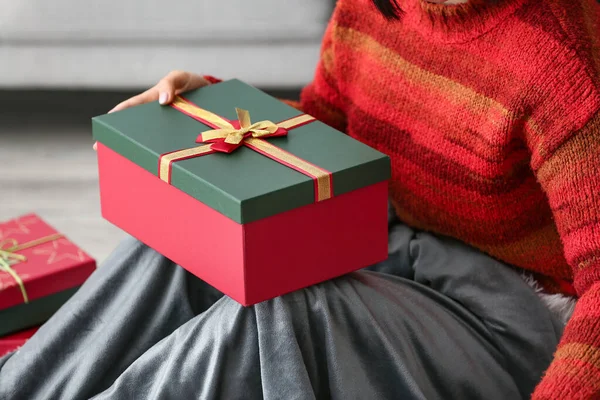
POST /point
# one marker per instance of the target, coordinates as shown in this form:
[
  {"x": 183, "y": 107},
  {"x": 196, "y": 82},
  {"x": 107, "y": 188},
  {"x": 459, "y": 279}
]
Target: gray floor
[
  {"x": 47, "y": 164},
  {"x": 49, "y": 167}
]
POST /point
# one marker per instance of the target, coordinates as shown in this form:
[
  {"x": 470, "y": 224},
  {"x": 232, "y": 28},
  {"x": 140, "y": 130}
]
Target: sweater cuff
[{"x": 575, "y": 371}]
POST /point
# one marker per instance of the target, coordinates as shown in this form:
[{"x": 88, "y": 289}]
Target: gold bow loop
[
  {"x": 7, "y": 251},
  {"x": 236, "y": 136},
  {"x": 7, "y": 255}
]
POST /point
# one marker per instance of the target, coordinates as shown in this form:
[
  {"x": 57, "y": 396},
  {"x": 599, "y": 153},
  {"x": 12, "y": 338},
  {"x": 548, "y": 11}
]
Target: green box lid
[{"x": 244, "y": 185}]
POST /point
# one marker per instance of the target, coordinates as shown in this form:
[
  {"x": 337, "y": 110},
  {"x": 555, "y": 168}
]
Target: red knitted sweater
[{"x": 490, "y": 114}]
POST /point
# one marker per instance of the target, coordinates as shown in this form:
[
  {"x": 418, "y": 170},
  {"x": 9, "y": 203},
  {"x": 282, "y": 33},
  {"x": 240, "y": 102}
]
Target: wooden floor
[{"x": 48, "y": 165}]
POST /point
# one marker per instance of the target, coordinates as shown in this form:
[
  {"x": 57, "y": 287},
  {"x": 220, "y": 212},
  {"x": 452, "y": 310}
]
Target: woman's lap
[
  {"x": 437, "y": 320},
  {"x": 136, "y": 298}
]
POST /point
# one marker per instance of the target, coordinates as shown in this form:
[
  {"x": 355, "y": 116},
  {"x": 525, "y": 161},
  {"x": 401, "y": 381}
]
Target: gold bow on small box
[{"x": 9, "y": 257}]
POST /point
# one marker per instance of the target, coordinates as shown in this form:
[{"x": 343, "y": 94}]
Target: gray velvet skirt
[{"x": 437, "y": 320}]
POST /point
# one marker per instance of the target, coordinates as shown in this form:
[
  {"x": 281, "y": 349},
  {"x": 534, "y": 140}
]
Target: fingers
[
  {"x": 174, "y": 83},
  {"x": 193, "y": 82},
  {"x": 177, "y": 82},
  {"x": 95, "y": 146},
  {"x": 164, "y": 92},
  {"x": 146, "y": 97}
]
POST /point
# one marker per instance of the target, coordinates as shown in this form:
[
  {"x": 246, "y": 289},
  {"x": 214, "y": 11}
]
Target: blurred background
[{"x": 65, "y": 61}]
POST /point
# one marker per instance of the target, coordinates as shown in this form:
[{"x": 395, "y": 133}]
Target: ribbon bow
[
  {"x": 246, "y": 128},
  {"x": 229, "y": 135},
  {"x": 7, "y": 253},
  {"x": 8, "y": 257}
]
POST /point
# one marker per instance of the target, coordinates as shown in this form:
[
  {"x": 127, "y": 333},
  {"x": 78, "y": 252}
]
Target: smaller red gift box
[
  {"x": 16, "y": 340},
  {"x": 39, "y": 270}
]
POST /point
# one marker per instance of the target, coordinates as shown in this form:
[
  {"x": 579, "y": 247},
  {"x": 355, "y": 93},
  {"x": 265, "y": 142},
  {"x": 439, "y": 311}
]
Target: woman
[{"x": 489, "y": 112}]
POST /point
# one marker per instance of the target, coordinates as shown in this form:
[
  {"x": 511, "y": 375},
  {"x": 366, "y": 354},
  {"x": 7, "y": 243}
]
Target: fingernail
[
  {"x": 162, "y": 99},
  {"x": 111, "y": 111}
]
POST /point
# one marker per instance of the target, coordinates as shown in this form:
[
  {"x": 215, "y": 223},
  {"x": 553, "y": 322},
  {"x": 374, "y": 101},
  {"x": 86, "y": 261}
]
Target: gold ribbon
[
  {"x": 232, "y": 135},
  {"x": 8, "y": 254},
  {"x": 235, "y": 136}
]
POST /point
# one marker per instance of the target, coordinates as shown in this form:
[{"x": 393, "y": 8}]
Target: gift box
[
  {"x": 243, "y": 191},
  {"x": 16, "y": 340},
  {"x": 40, "y": 269}
]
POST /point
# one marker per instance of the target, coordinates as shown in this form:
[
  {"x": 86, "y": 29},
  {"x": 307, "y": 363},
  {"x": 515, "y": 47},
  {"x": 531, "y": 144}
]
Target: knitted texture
[
  {"x": 576, "y": 366},
  {"x": 489, "y": 113}
]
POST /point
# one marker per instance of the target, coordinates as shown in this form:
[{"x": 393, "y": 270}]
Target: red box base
[
  {"x": 248, "y": 262},
  {"x": 16, "y": 340}
]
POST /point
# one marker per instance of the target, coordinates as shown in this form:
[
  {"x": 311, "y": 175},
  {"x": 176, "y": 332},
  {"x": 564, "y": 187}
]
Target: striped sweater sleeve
[{"x": 569, "y": 172}]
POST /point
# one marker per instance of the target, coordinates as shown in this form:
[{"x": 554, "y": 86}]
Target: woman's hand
[{"x": 165, "y": 90}]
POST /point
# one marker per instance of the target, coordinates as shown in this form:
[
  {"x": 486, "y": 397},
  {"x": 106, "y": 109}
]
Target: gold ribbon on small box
[
  {"x": 9, "y": 257},
  {"x": 228, "y": 135}
]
